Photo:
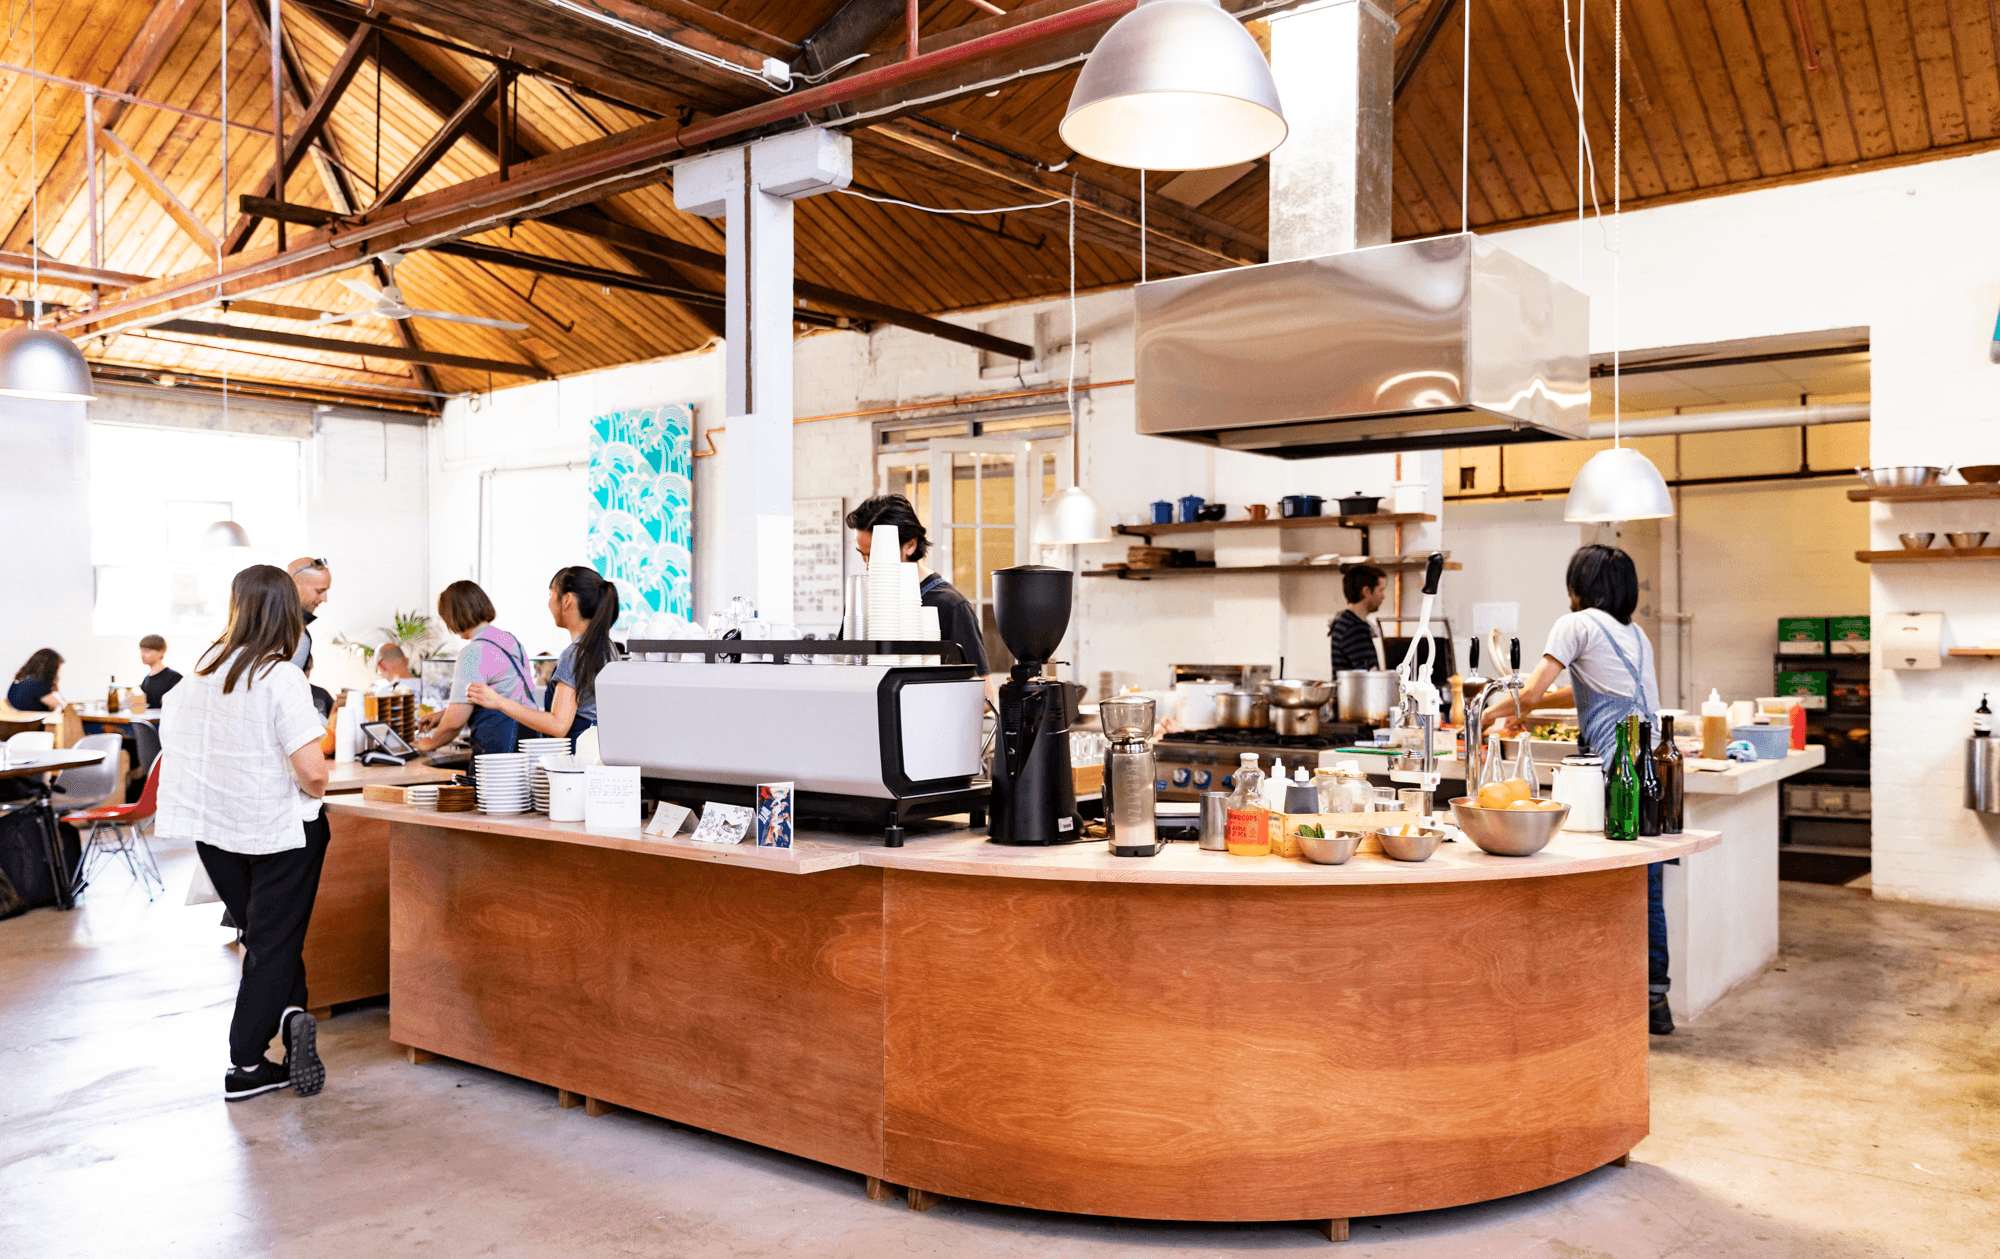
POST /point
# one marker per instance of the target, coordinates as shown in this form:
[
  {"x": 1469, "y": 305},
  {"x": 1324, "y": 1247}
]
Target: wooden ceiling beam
[
  {"x": 153, "y": 186},
  {"x": 357, "y": 349},
  {"x": 275, "y": 310},
  {"x": 434, "y": 149},
  {"x": 26, "y": 266},
  {"x": 848, "y": 33},
  {"x": 141, "y": 60},
  {"x": 306, "y": 133}
]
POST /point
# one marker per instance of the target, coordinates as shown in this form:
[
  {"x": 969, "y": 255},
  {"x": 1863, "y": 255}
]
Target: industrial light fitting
[
  {"x": 39, "y": 363},
  {"x": 225, "y": 535},
  {"x": 1071, "y": 517},
  {"x": 1175, "y": 85},
  {"x": 1618, "y": 484}
]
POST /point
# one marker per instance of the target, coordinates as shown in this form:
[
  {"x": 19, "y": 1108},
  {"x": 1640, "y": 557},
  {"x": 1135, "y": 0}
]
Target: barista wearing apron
[
  {"x": 492, "y": 657},
  {"x": 1612, "y": 677},
  {"x": 586, "y": 605}
]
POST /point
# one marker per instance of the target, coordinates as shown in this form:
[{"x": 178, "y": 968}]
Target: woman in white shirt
[
  {"x": 243, "y": 776},
  {"x": 1612, "y": 677}
]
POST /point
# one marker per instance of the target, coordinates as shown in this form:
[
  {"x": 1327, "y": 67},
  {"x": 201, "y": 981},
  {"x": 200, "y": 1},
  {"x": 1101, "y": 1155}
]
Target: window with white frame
[{"x": 153, "y": 494}]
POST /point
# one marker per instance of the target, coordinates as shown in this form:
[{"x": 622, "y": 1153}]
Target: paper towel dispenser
[{"x": 1910, "y": 640}]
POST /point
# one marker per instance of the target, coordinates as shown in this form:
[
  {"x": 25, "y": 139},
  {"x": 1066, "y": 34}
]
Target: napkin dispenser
[{"x": 1910, "y": 640}]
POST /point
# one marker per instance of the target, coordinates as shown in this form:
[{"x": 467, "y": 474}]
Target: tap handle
[
  {"x": 1515, "y": 652},
  {"x": 1433, "y": 571},
  {"x": 1472, "y": 654}
]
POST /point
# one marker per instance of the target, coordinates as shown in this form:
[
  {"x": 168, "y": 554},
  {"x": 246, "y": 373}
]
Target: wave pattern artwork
[{"x": 642, "y": 509}]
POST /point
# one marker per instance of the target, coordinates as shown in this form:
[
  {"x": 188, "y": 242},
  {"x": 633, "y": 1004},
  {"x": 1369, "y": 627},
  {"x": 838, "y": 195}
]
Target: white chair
[
  {"x": 88, "y": 786},
  {"x": 30, "y": 742}
]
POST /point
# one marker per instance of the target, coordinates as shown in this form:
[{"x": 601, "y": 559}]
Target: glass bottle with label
[
  {"x": 1650, "y": 793},
  {"x": 1621, "y": 785},
  {"x": 1249, "y": 826},
  {"x": 1982, "y": 720},
  {"x": 111, "y": 704},
  {"x": 1669, "y": 766}
]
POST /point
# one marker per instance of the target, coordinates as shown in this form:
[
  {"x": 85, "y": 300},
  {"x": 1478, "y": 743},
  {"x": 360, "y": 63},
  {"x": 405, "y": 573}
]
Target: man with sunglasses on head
[{"x": 313, "y": 579}]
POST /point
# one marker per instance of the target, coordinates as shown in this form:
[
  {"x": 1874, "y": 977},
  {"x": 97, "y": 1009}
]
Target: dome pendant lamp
[{"x": 1175, "y": 85}]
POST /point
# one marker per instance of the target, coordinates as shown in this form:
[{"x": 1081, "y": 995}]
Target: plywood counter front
[{"x": 1194, "y": 1036}]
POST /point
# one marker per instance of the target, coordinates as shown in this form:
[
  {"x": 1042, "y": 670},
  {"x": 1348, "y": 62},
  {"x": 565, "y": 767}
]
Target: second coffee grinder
[{"x": 1034, "y": 799}]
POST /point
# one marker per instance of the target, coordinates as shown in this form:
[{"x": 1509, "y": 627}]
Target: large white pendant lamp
[
  {"x": 1618, "y": 484},
  {"x": 38, "y": 363},
  {"x": 1175, "y": 85},
  {"x": 225, "y": 535}
]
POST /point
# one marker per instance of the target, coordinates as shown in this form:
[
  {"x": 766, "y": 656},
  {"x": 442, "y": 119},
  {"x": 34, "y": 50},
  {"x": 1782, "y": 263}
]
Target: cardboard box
[
  {"x": 1809, "y": 685},
  {"x": 1847, "y": 635},
  {"x": 1802, "y": 635}
]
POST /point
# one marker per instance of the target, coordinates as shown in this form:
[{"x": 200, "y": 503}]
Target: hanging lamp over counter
[
  {"x": 1618, "y": 484},
  {"x": 38, "y": 363},
  {"x": 225, "y": 535},
  {"x": 1175, "y": 85}
]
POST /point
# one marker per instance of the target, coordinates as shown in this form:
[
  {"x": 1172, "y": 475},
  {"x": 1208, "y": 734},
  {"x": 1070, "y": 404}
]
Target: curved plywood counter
[{"x": 1193, "y": 1036}]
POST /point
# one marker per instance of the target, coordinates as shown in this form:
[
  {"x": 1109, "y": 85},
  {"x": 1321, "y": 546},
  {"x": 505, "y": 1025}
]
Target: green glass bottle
[{"x": 1621, "y": 785}]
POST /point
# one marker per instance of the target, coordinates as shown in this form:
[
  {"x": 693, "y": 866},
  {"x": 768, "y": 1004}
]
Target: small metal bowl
[
  {"x": 1508, "y": 832},
  {"x": 1981, "y": 473},
  {"x": 1908, "y": 476},
  {"x": 1417, "y": 847},
  {"x": 1916, "y": 541},
  {"x": 1965, "y": 541},
  {"x": 1330, "y": 850}
]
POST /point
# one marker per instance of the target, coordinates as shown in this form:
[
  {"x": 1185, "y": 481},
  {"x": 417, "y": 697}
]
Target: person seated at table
[
  {"x": 322, "y": 698},
  {"x": 34, "y": 688},
  {"x": 586, "y": 605},
  {"x": 491, "y": 656},
  {"x": 393, "y": 664},
  {"x": 159, "y": 678}
]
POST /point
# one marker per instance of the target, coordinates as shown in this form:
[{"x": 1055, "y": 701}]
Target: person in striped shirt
[{"x": 1353, "y": 639}]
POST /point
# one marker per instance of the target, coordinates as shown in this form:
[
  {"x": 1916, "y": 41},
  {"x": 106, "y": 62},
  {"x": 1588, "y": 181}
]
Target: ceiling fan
[{"x": 387, "y": 303}]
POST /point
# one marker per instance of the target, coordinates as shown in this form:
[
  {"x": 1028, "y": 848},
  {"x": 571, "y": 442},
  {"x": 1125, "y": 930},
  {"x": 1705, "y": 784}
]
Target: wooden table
[
  {"x": 120, "y": 718},
  {"x": 347, "y": 941},
  {"x": 1192, "y": 1036},
  {"x": 44, "y": 809}
]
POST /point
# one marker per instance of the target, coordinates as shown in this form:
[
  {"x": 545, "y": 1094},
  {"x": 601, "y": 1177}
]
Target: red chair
[{"x": 121, "y": 823}]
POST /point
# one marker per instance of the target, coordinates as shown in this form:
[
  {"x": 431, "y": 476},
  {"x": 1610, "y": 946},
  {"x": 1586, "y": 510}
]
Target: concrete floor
[{"x": 1846, "y": 1103}]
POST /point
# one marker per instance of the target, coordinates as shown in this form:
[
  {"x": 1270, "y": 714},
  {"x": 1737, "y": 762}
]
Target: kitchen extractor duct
[{"x": 1418, "y": 345}]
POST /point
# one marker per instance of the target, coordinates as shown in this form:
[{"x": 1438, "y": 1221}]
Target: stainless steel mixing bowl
[
  {"x": 1508, "y": 832},
  {"x": 1331, "y": 850},
  {"x": 1417, "y": 847}
]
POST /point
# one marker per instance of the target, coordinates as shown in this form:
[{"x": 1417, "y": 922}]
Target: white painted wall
[{"x": 365, "y": 512}]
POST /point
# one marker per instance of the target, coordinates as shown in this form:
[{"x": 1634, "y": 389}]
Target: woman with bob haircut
[{"x": 492, "y": 657}]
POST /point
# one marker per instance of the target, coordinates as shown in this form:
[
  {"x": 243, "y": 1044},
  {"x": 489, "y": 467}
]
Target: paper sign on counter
[
  {"x": 722, "y": 823},
  {"x": 611, "y": 798},
  {"x": 774, "y": 815},
  {"x": 669, "y": 819}
]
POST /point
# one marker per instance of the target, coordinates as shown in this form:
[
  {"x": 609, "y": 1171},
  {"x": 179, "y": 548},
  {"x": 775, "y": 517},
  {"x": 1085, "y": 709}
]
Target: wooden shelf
[
  {"x": 1926, "y": 493},
  {"x": 1280, "y": 522},
  {"x": 1931, "y": 555},
  {"x": 1974, "y": 653},
  {"x": 1388, "y": 563}
]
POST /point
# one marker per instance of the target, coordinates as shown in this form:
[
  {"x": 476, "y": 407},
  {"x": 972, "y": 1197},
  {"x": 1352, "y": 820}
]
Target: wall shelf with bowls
[{"x": 1934, "y": 555}]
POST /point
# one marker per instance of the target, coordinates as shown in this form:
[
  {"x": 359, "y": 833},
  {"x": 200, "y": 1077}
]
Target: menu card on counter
[
  {"x": 722, "y": 823},
  {"x": 611, "y": 798},
  {"x": 774, "y": 815},
  {"x": 669, "y": 819}
]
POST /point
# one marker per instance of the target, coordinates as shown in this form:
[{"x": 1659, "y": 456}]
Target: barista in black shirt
[
  {"x": 159, "y": 678},
  {"x": 956, "y": 617}
]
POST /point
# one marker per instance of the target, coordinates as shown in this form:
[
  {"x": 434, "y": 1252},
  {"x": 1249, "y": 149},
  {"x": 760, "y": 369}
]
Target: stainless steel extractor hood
[{"x": 1417, "y": 345}]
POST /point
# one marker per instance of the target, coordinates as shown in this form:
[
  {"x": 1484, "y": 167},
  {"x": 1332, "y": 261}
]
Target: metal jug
[{"x": 1579, "y": 783}]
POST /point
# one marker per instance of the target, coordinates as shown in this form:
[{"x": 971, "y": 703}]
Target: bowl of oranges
[{"x": 1506, "y": 820}]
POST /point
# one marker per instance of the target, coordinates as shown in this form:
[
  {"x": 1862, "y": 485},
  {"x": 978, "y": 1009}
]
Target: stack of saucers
[
  {"x": 535, "y": 749},
  {"x": 502, "y": 781},
  {"x": 422, "y": 796}
]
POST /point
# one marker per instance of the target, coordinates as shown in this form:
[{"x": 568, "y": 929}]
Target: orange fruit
[
  {"x": 1518, "y": 789},
  {"x": 1525, "y": 806},
  {"x": 1495, "y": 796},
  {"x": 1548, "y": 806}
]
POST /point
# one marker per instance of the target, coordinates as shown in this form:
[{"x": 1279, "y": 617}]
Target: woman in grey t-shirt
[{"x": 586, "y": 605}]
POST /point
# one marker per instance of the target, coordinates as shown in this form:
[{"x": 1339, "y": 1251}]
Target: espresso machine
[
  {"x": 1034, "y": 799},
  {"x": 1131, "y": 777}
]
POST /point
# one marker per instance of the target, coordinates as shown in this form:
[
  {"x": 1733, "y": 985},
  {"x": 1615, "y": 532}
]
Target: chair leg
[
  {"x": 87, "y": 861},
  {"x": 145, "y": 846}
]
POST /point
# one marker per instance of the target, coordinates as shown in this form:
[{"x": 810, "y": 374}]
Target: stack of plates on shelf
[
  {"x": 422, "y": 796},
  {"x": 538, "y": 781},
  {"x": 501, "y": 779}
]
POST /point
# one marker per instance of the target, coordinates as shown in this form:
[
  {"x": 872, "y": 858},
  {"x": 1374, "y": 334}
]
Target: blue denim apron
[
  {"x": 493, "y": 730},
  {"x": 1598, "y": 714},
  {"x": 578, "y": 724}
]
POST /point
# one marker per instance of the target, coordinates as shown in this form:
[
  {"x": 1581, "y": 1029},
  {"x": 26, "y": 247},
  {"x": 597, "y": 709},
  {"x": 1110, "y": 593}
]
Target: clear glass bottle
[
  {"x": 1249, "y": 833},
  {"x": 1650, "y": 794},
  {"x": 1524, "y": 765},
  {"x": 1669, "y": 765},
  {"x": 1621, "y": 785}
]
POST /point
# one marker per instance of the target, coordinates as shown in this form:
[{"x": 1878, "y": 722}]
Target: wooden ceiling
[{"x": 1719, "y": 96}]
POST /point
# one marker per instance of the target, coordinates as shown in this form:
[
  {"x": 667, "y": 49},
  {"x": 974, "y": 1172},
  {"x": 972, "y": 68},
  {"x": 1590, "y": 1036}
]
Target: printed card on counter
[
  {"x": 611, "y": 798},
  {"x": 774, "y": 815},
  {"x": 669, "y": 820},
  {"x": 722, "y": 823}
]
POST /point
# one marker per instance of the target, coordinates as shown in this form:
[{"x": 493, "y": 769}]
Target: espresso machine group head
[{"x": 1034, "y": 801}]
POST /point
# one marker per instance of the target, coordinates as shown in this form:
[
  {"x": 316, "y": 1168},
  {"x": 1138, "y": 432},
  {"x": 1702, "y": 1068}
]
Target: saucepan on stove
[{"x": 1242, "y": 710}]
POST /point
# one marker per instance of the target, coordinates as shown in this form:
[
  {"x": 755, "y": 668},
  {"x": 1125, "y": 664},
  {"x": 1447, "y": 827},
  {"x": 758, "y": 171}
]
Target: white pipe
[{"x": 1728, "y": 421}]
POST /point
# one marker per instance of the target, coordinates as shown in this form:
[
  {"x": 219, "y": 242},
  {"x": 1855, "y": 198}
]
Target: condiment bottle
[
  {"x": 1798, "y": 715},
  {"x": 1714, "y": 728},
  {"x": 1672, "y": 770},
  {"x": 1249, "y": 827},
  {"x": 1274, "y": 786}
]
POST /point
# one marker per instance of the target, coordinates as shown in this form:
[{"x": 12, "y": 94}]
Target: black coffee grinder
[{"x": 1034, "y": 801}]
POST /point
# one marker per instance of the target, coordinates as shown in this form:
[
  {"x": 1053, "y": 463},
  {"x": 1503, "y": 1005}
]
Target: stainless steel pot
[
  {"x": 1366, "y": 695},
  {"x": 1242, "y": 710}
]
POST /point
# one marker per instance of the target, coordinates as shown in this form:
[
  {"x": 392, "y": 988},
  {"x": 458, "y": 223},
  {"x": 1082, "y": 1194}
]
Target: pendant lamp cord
[
  {"x": 1465, "y": 125},
  {"x": 1617, "y": 198},
  {"x": 1069, "y": 386},
  {"x": 1142, "y": 225},
  {"x": 223, "y": 36},
  {"x": 34, "y": 173}
]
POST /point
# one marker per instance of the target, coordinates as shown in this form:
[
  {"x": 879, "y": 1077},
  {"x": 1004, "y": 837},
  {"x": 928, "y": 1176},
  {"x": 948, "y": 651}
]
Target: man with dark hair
[
  {"x": 1353, "y": 639},
  {"x": 159, "y": 678},
  {"x": 956, "y": 617}
]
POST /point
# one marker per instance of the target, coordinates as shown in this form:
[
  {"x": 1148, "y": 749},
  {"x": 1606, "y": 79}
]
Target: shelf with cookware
[
  {"x": 1387, "y": 563},
  {"x": 1149, "y": 531}
]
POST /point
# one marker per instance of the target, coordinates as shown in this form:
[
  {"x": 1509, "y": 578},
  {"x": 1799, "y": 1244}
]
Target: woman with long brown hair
[
  {"x": 242, "y": 776},
  {"x": 34, "y": 687},
  {"x": 586, "y": 605}
]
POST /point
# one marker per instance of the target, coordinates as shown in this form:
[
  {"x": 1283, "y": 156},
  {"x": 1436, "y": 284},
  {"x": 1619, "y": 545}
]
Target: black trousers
[{"x": 271, "y": 898}]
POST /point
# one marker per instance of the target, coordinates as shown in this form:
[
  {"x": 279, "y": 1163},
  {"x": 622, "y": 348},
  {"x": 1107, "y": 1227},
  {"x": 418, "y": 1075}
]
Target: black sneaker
[
  {"x": 308, "y": 1073},
  {"x": 1659, "y": 1017},
  {"x": 239, "y": 1082}
]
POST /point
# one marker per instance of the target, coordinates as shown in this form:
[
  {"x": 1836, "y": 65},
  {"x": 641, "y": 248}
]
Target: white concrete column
[
  {"x": 1335, "y": 66},
  {"x": 753, "y": 188}
]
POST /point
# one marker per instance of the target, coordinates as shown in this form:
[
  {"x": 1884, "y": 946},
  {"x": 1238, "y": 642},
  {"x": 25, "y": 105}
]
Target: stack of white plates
[
  {"x": 538, "y": 781},
  {"x": 502, "y": 780},
  {"x": 422, "y": 796}
]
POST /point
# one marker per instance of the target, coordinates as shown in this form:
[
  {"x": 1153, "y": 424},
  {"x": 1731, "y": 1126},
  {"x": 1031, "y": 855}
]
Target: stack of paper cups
[
  {"x": 909, "y": 607},
  {"x": 932, "y": 630},
  {"x": 884, "y": 618}
]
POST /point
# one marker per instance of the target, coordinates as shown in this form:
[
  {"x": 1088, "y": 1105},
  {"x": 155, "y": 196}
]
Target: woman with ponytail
[{"x": 586, "y": 605}]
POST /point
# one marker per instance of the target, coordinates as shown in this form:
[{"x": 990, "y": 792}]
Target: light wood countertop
[
  {"x": 353, "y": 776},
  {"x": 966, "y": 852},
  {"x": 1747, "y": 776}
]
